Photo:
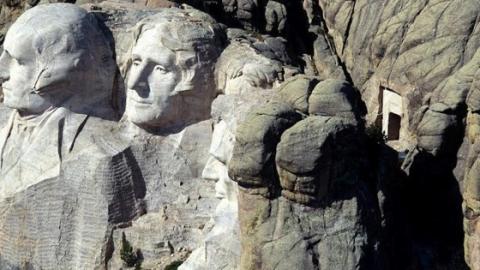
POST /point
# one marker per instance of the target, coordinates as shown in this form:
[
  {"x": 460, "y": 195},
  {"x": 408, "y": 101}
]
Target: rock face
[
  {"x": 302, "y": 190},
  {"x": 245, "y": 72},
  {"x": 173, "y": 62},
  {"x": 140, "y": 174},
  {"x": 375, "y": 45},
  {"x": 221, "y": 246},
  {"x": 177, "y": 202},
  {"x": 169, "y": 93},
  {"x": 54, "y": 73},
  {"x": 471, "y": 180},
  {"x": 53, "y": 147},
  {"x": 318, "y": 187},
  {"x": 381, "y": 46},
  {"x": 445, "y": 142},
  {"x": 251, "y": 63}
]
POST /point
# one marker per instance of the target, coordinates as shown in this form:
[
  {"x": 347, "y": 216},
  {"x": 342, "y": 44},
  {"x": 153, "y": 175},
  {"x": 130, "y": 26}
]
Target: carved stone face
[
  {"x": 151, "y": 98},
  {"x": 18, "y": 72},
  {"x": 63, "y": 64},
  {"x": 170, "y": 82},
  {"x": 216, "y": 169}
]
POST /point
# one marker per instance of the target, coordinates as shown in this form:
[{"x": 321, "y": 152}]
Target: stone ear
[
  {"x": 44, "y": 80},
  {"x": 40, "y": 80},
  {"x": 54, "y": 75}
]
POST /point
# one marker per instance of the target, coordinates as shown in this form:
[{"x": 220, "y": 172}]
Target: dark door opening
[{"x": 393, "y": 126}]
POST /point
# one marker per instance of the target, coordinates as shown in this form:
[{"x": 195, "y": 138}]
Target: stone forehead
[
  {"x": 48, "y": 16},
  {"x": 52, "y": 22},
  {"x": 184, "y": 25},
  {"x": 234, "y": 108},
  {"x": 59, "y": 26}
]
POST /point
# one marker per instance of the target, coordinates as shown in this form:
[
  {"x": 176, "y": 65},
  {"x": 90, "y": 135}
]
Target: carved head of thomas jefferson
[{"x": 170, "y": 82}]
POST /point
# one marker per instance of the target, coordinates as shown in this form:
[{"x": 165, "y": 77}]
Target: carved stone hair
[{"x": 195, "y": 38}]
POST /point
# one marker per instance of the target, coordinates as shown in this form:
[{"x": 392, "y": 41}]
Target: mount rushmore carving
[{"x": 205, "y": 146}]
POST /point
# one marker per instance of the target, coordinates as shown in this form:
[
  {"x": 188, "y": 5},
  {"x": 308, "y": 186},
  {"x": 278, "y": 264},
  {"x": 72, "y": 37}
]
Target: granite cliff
[{"x": 264, "y": 134}]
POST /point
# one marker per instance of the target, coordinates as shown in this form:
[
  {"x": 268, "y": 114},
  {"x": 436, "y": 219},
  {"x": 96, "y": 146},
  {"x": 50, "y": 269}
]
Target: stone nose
[
  {"x": 4, "y": 73},
  {"x": 211, "y": 170},
  {"x": 221, "y": 189},
  {"x": 138, "y": 80}
]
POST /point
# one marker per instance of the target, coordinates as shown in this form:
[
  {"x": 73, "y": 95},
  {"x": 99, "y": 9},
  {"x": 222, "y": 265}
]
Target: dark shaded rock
[
  {"x": 252, "y": 162},
  {"x": 335, "y": 98},
  {"x": 316, "y": 156},
  {"x": 297, "y": 90},
  {"x": 325, "y": 202}
]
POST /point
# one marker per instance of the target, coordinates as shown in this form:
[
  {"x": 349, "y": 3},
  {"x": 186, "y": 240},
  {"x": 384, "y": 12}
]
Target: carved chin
[
  {"x": 152, "y": 114},
  {"x": 141, "y": 118},
  {"x": 146, "y": 116},
  {"x": 33, "y": 104}
]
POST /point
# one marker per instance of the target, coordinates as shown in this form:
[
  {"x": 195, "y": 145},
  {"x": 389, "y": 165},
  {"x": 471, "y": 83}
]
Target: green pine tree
[{"x": 127, "y": 255}]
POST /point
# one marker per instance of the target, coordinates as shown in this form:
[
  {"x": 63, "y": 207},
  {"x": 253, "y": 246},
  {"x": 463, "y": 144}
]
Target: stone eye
[
  {"x": 17, "y": 61},
  {"x": 136, "y": 62},
  {"x": 160, "y": 69}
]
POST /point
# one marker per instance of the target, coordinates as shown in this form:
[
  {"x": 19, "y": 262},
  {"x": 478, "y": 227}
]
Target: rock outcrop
[
  {"x": 302, "y": 185},
  {"x": 245, "y": 74}
]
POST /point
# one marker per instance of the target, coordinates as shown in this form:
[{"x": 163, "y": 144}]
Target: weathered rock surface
[
  {"x": 245, "y": 72},
  {"x": 170, "y": 88},
  {"x": 305, "y": 160},
  {"x": 51, "y": 219},
  {"x": 302, "y": 191},
  {"x": 64, "y": 223},
  {"x": 178, "y": 203},
  {"x": 251, "y": 63},
  {"x": 426, "y": 52},
  {"x": 256, "y": 143},
  {"x": 374, "y": 44},
  {"x": 335, "y": 98},
  {"x": 471, "y": 180},
  {"x": 221, "y": 245},
  {"x": 296, "y": 91}
]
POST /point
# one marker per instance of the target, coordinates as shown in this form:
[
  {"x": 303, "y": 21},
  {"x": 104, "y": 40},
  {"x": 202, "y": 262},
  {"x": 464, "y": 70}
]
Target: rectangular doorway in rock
[
  {"x": 393, "y": 127},
  {"x": 392, "y": 112}
]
